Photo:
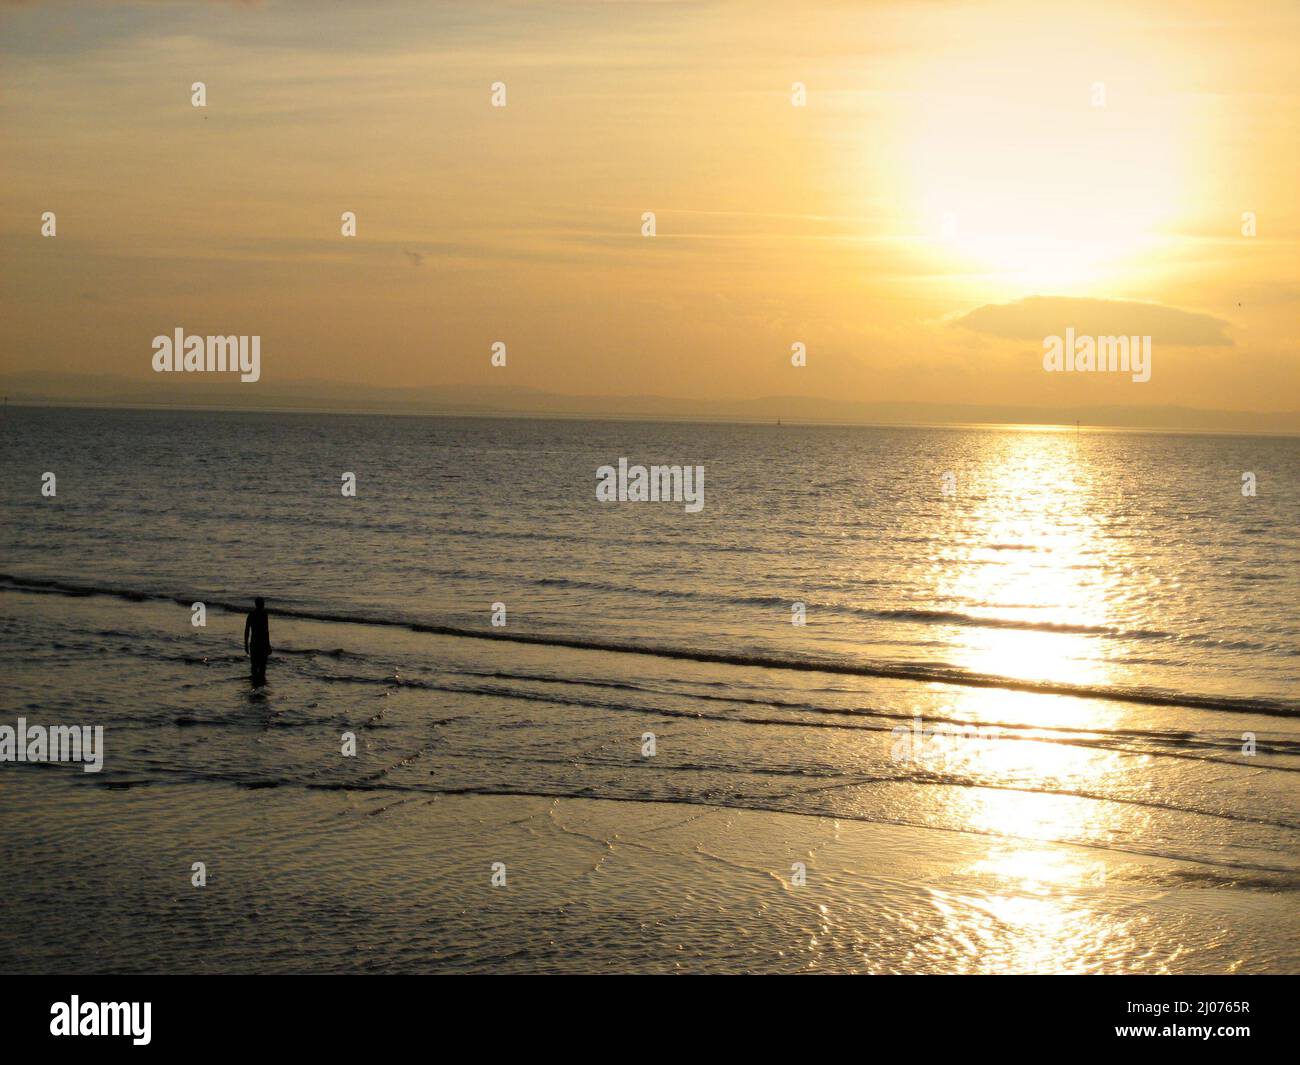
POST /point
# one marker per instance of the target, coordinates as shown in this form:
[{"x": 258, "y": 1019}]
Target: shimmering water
[{"x": 1110, "y": 611}]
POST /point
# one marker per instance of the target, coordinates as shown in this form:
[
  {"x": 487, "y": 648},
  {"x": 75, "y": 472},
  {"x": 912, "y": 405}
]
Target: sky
[{"x": 956, "y": 182}]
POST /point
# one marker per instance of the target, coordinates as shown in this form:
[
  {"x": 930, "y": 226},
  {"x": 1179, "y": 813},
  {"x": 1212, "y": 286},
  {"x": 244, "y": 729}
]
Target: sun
[{"x": 1036, "y": 172}]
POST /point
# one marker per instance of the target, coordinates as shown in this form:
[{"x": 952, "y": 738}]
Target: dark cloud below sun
[{"x": 1038, "y": 316}]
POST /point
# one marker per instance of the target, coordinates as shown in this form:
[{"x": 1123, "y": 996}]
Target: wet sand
[{"x": 98, "y": 879}]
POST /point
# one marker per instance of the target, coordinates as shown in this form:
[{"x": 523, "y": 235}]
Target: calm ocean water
[{"x": 1108, "y": 606}]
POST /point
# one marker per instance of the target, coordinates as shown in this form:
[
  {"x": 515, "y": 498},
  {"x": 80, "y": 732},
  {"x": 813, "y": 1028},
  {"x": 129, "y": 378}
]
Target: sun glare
[{"x": 1023, "y": 172}]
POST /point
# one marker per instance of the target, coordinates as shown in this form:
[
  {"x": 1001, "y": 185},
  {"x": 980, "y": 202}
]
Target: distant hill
[{"x": 204, "y": 391}]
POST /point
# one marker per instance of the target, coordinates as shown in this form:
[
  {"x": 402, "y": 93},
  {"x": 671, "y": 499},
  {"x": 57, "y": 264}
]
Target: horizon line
[{"x": 576, "y": 416}]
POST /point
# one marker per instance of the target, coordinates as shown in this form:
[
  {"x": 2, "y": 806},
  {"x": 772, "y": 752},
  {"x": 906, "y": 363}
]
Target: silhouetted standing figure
[{"x": 257, "y": 639}]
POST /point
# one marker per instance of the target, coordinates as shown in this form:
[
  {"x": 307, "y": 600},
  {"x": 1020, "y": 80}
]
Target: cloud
[{"x": 1038, "y": 316}]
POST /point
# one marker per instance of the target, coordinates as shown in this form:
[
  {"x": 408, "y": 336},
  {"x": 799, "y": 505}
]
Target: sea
[{"x": 893, "y": 699}]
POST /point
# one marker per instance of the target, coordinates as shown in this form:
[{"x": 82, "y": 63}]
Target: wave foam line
[{"x": 901, "y": 671}]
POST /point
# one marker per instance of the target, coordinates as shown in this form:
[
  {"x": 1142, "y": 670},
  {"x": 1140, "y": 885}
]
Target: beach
[
  {"x": 1006, "y": 747},
  {"x": 371, "y": 881}
]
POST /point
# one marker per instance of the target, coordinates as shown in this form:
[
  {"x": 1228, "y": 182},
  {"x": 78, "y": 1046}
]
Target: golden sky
[{"x": 951, "y": 161}]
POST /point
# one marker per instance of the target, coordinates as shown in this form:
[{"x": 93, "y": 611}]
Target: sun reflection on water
[{"x": 1026, "y": 552}]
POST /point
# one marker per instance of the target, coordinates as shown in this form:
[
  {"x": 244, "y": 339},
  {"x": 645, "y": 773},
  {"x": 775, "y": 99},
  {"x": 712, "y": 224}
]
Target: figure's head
[{"x": 259, "y": 602}]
